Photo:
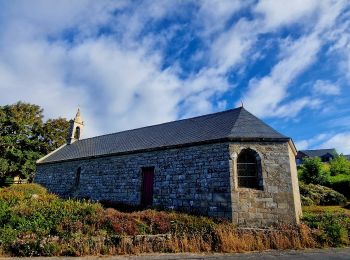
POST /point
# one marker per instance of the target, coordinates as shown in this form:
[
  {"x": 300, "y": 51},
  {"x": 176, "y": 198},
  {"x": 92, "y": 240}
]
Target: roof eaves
[{"x": 48, "y": 155}]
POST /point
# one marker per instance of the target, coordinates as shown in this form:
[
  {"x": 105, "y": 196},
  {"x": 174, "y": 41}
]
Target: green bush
[
  {"x": 312, "y": 171},
  {"x": 312, "y": 194},
  {"x": 31, "y": 217},
  {"x": 340, "y": 183},
  {"x": 35, "y": 222},
  {"x": 330, "y": 229},
  {"x": 306, "y": 201},
  {"x": 31, "y": 245},
  {"x": 339, "y": 165},
  {"x": 332, "y": 198}
]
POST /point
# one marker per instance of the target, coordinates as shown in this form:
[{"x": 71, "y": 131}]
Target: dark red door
[{"x": 147, "y": 186}]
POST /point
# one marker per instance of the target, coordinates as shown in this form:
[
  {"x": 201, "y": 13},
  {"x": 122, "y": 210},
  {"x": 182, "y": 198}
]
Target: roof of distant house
[
  {"x": 347, "y": 157},
  {"x": 318, "y": 152},
  {"x": 234, "y": 124}
]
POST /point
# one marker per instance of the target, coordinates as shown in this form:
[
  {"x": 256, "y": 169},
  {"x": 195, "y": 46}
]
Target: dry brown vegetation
[
  {"x": 225, "y": 238},
  {"x": 34, "y": 222}
]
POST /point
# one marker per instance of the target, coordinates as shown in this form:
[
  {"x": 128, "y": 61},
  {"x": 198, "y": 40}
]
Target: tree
[
  {"x": 339, "y": 165},
  {"x": 312, "y": 171},
  {"x": 24, "y": 138},
  {"x": 55, "y": 133}
]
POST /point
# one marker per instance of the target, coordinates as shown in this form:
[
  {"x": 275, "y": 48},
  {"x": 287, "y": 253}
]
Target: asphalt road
[{"x": 323, "y": 254}]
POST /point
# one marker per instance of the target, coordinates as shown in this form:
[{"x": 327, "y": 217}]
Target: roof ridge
[
  {"x": 143, "y": 127},
  {"x": 256, "y": 118},
  {"x": 318, "y": 149},
  {"x": 240, "y": 110}
]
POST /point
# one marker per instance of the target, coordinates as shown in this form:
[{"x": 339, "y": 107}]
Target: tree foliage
[
  {"x": 25, "y": 137},
  {"x": 339, "y": 165},
  {"x": 312, "y": 171}
]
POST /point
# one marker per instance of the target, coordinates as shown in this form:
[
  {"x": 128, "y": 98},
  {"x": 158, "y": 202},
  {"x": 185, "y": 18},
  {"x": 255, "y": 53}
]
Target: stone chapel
[{"x": 228, "y": 164}]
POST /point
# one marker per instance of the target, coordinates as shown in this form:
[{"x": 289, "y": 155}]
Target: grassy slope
[{"x": 35, "y": 222}]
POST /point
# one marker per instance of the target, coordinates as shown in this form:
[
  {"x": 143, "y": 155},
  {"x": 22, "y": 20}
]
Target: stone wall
[
  {"x": 190, "y": 179},
  {"x": 200, "y": 179},
  {"x": 278, "y": 201},
  {"x": 295, "y": 184}
]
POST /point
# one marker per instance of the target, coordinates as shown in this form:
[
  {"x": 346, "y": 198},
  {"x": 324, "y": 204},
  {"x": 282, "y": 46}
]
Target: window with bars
[{"x": 249, "y": 170}]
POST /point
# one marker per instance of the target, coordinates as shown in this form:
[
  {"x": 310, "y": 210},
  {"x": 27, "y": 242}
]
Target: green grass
[
  {"x": 338, "y": 178},
  {"x": 326, "y": 209}
]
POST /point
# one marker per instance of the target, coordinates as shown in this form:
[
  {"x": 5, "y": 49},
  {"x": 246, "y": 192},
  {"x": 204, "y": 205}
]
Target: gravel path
[{"x": 323, "y": 254}]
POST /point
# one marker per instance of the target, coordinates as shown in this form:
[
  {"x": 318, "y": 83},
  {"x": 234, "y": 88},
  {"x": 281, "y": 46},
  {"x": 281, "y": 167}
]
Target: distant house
[
  {"x": 347, "y": 157},
  {"x": 325, "y": 154}
]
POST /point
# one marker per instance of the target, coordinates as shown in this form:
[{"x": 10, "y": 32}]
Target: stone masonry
[
  {"x": 199, "y": 178},
  {"x": 276, "y": 203},
  {"x": 189, "y": 179}
]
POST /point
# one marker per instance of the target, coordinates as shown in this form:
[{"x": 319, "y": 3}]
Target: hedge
[{"x": 340, "y": 183}]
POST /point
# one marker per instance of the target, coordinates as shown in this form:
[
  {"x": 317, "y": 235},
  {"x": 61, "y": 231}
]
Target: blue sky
[{"x": 134, "y": 63}]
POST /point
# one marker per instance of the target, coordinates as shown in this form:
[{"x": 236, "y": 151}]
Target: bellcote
[{"x": 75, "y": 129}]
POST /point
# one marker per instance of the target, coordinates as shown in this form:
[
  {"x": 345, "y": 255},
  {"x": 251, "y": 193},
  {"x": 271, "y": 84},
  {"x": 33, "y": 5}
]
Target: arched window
[
  {"x": 77, "y": 177},
  {"x": 249, "y": 170},
  {"x": 77, "y": 132}
]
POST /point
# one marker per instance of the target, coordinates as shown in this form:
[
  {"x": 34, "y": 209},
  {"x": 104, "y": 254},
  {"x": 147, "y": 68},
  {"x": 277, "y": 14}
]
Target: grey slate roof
[
  {"x": 234, "y": 124},
  {"x": 318, "y": 152}
]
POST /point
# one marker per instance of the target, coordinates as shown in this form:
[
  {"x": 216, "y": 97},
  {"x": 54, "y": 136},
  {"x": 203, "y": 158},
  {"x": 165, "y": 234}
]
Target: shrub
[
  {"x": 306, "y": 201},
  {"x": 31, "y": 245},
  {"x": 332, "y": 198},
  {"x": 329, "y": 228},
  {"x": 339, "y": 165},
  {"x": 336, "y": 232},
  {"x": 312, "y": 171},
  {"x": 312, "y": 194},
  {"x": 340, "y": 183},
  {"x": 26, "y": 189}
]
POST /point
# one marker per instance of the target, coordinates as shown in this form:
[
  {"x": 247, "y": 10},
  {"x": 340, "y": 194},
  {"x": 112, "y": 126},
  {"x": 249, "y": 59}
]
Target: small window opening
[
  {"x": 77, "y": 177},
  {"x": 249, "y": 170},
  {"x": 77, "y": 133}
]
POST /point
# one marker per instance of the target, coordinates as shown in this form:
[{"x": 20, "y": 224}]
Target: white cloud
[
  {"x": 56, "y": 54},
  {"x": 341, "y": 122},
  {"x": 279, "y": 13},
  {"x": 213, "y": 15},
  {"x": 130, "y": 84},
  {"x": 33, "y": 72},
  {"x": 230, "y": 48},
  {"x": 340, "y": 141},
  {"x": 297, "y": 56},
  {"x": 116, "y": 89},
  {"x": 311, "y": 143},
  {"x": 340, "y": 36},
  {"x": 118, "y": 84},
  {"x": 324, "y": 87},
  {"x": 40, "y": 18},
  {"x": 302, "y": 145},
  {"x": 291, "y": 109}
]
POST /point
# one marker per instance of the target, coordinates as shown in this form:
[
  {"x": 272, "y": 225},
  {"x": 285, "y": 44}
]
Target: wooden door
[{"x": 147, "y": 186}]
